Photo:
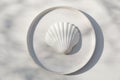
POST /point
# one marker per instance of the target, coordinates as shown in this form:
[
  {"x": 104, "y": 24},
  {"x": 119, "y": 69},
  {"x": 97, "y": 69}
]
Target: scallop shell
[{"x": 62, "y": 37}]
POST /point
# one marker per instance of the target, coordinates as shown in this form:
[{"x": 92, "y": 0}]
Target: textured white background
[{"x": 15, "y": 18}]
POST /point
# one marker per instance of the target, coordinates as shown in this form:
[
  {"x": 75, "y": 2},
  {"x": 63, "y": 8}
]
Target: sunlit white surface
[{"x": 17, "y": 15}]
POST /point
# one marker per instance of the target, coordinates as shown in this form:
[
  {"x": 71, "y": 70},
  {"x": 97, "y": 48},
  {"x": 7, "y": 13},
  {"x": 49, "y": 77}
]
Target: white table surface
[{"x": 15, "y": 19}]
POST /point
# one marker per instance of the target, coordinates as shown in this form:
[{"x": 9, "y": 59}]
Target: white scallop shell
[{"x": 62, "y": 37}]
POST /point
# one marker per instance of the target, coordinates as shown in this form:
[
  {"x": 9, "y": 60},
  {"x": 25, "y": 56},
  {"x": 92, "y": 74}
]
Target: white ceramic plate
[{"x": 48, "y": 58}]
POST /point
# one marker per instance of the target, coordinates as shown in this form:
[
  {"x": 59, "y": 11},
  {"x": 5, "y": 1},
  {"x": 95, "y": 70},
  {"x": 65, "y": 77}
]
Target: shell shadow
[
  {"x": 98, "y": 49},
  {"x": 77, "y": 47}
]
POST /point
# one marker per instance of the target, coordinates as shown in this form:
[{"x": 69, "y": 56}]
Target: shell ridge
[
  {"x": 70, "y": 33},
  {"x": 57, "y": 35}
]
